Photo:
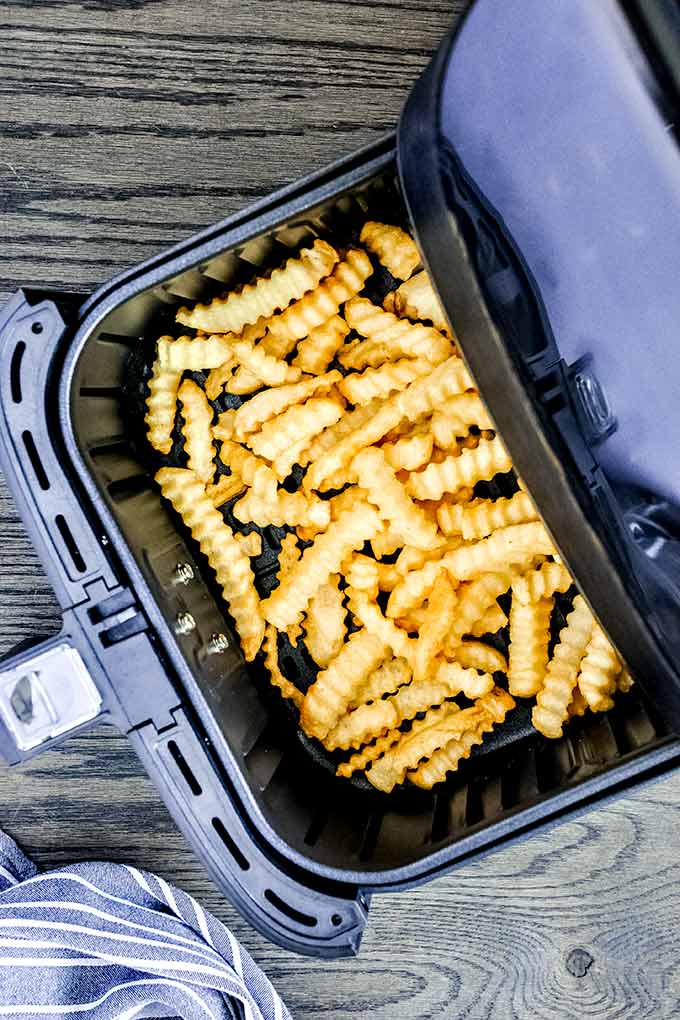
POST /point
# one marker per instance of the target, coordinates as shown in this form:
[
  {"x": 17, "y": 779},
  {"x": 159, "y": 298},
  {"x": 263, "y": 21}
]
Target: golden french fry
[
  {"x": 600, "y": 668},
  {"x": 542, "y": 583},
  {"x": 315, "y": 353},
  {"x": 474, "y": 599},
  {"x": 281, "y": 439},
  {"x": 416, "y": 401},
  {"x": 460, "y": 679},
  {"x": 350, "y": 421},
  {"x": 493, "y": 620},
  {"x": 376, "y": 476},
  {"x": 320, "y": 304},
  {"x": 267, "y": 405},
  {"x": 624, "y": 681},
  {"x": 416, "y": 299},
  {"x": 271, "y": 660},
  {"x": 161, "y": 405},
  {"x": 369, "y": 614},
  {"x": 393, "y": 247},
  {"x": 448, "y": 511},
  {"x": 446, "y": 759},
  {"x": 328, "y": 697},
  {"x": 243, "y": 382},
  {"x": 361, "y": 573},
  {"x": 386, "y": 542},
  {"x": 388, "y": 337},
  {"x": 198, "y": 437},
  {"x": 241, "y": 462},
  {"x": 264, "y": 503},
  {"x": 224, "y": 489},
  {"x": 451, "y": 423},
  {"x": 363, "y": 387},
  {"x": 349, "y": 532},
  {"x": 414, "y": 589},
  {"x": 410, "y": 452},
  {"x": 480, "y": 656},
  {"x": 388, "y": 576},
  {"x": 552, "y": 702},
  {"x": 224, "y": 429},
  {"x": 413, "y": 620},
  {"x": 218, "y": 378},
  {"x": 266, "y": 367},
  {"x": 386, "y": 679},
  {"x": 187, "y": 494},
  {"x": 529, "y": 639},
  {"x": 440, "y": 608},
  {"x": 204, "y": 352},
  {"x": 578, "y": 704},
  {"x": 369, "y": 753},
  {"x": 516, "y": 545},
  {"x": 470, "y": 466},
  {"x": 289, "y": 554},
  {"x": 346, "y": 500},
  {"x": 294, "y": 633},
  {"x": 487, "y": 515},
  {"x": 325, "y": 623},
  {"x": 251, "y": 543},
  {"x": 229, "y": 314}
]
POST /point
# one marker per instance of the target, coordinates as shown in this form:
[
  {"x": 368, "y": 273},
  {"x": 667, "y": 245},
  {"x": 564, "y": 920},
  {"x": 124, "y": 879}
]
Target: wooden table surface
[{"x": 127, "y": 125}]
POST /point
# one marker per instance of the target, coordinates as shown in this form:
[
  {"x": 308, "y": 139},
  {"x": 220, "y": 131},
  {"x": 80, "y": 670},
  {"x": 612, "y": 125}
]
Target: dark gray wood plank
[{"x": 127, "y": 124}]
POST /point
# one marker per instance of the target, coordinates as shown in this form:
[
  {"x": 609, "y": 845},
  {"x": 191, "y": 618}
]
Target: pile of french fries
[{"x": 392, "y": 566}]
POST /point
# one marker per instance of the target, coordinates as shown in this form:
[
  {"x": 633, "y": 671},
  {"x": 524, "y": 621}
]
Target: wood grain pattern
[{"x": 127, "y": 124}]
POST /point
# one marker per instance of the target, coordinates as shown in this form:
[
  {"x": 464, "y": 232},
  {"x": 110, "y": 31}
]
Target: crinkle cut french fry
[
  {"x": 218, "y": 378},
  {"x": 251, "y": 543},
  {"x": 224, "y": 489},
  {"x": 388, "y": 337},
  {"x": 240, "y": 461},
  {"x": 470, "y": 466},
  {"x": 325, "y": 622},
  {"x": 369, "y": 753},
  {"x": 489, "y": 514},
  {"x": 453, "y": 421},
  {"x": 264, "y": 503},
  {"x": 369, "y": 614},
  {"x": 542, "y": 583},
  {"x": 271, "y": 660},
  {"x": 493, "y": 620},
  {"x": 463, "y": 680},
  {"x": 625, "y": 680},
  {"x": 280, "y": 438},
  {"x": 414, "y": 589},
  {"x": 328, "y": 697},
  {"x": 350, "y": 421},
  {"x": 578, "y": 704},
  {"x": 362, "y": 574},
  {"x": 473, "y": 601},
  {"x": 410, "y": 452},
  {"x": 416, "y": 299},
  {"x": 600, "y": 668},
  {"x": 271, "y": 370},
  {"x": 196, "y": 354},
  {"x": 371, "y": 720},
  {"x": 416, "y": 401},
  {"x": 386, "y": 679},
  {"x": 289, "y": 554},
  {"x": 440, "y": 608},
  {"x": 377, "y": 383},
  {"x": 394, "y": 248},
  {"x": 552, "y": 702},
  {"x": 323, "y": 558},
  {"x": 480, "y": 656},
  {"x": 516, "y": 545},
  {"x": 229, "y": 314},
  {"x": 320, "y": 304},
  {"x": 529, "y": 639},
  {"x": 388, "y": 576},
  {"x": 161, "y": 405},
  {"x": 376, "y": 476},
  {"x": 386, "y": 542},
  {"x": 198, "y": 437},
  {"x": 224, "y": 429},
  {"x": 267, "y": 405},
  {"x": 315, "y": 352},
  {"x": 216, "y": 540},
  {"x": 449, "y": 511},
  {"x": 447, "y": 758}
]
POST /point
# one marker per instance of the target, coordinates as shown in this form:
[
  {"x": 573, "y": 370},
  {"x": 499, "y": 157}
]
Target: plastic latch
[
  {"x": 594, "y": 412},
  {"x": 46, "y": 696}
]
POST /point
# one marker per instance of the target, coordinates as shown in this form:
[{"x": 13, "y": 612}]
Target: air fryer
[{"x": 146, "y": 643}]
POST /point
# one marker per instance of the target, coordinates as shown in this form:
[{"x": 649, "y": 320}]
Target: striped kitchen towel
[{"x": 98, "y": 941}]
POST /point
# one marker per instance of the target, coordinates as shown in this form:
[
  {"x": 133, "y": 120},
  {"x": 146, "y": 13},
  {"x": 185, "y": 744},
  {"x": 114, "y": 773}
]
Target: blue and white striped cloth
[{"x": 98, "y": 941}]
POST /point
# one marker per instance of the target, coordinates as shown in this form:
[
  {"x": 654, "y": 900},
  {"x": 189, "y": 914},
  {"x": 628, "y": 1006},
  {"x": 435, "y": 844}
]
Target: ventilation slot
[
  {"x": 474, "y": 808},
  {"x": 127, "y": 488},
  {"x": 123, "y": 630},
  {"x": 15, "y": 371},
  {"x": 183, "y": 765},
  {"x": 112, "y": 392},
  {"x": 110, "y": 606},
  {"x": 36, "y": 463},
  {"x": 70, "y": 543},
  {"x": 371, "y": 837},
  {"x": 231, "y": 846},
  {"x": 285, "y": 908}
]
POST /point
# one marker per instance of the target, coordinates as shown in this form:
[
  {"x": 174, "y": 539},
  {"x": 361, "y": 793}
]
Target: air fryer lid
[{"x": 540, "y": 161}]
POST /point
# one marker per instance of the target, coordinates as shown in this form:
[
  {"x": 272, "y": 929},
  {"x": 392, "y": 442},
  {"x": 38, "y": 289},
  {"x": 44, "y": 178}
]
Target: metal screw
[
  {"x": 183, "y": 573},
  {"x": 218, "y": 643},
  {"x": 184, "y": 623}
]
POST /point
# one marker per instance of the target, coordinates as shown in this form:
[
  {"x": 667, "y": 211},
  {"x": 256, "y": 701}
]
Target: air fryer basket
[{"x": 331, "y": 822}]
